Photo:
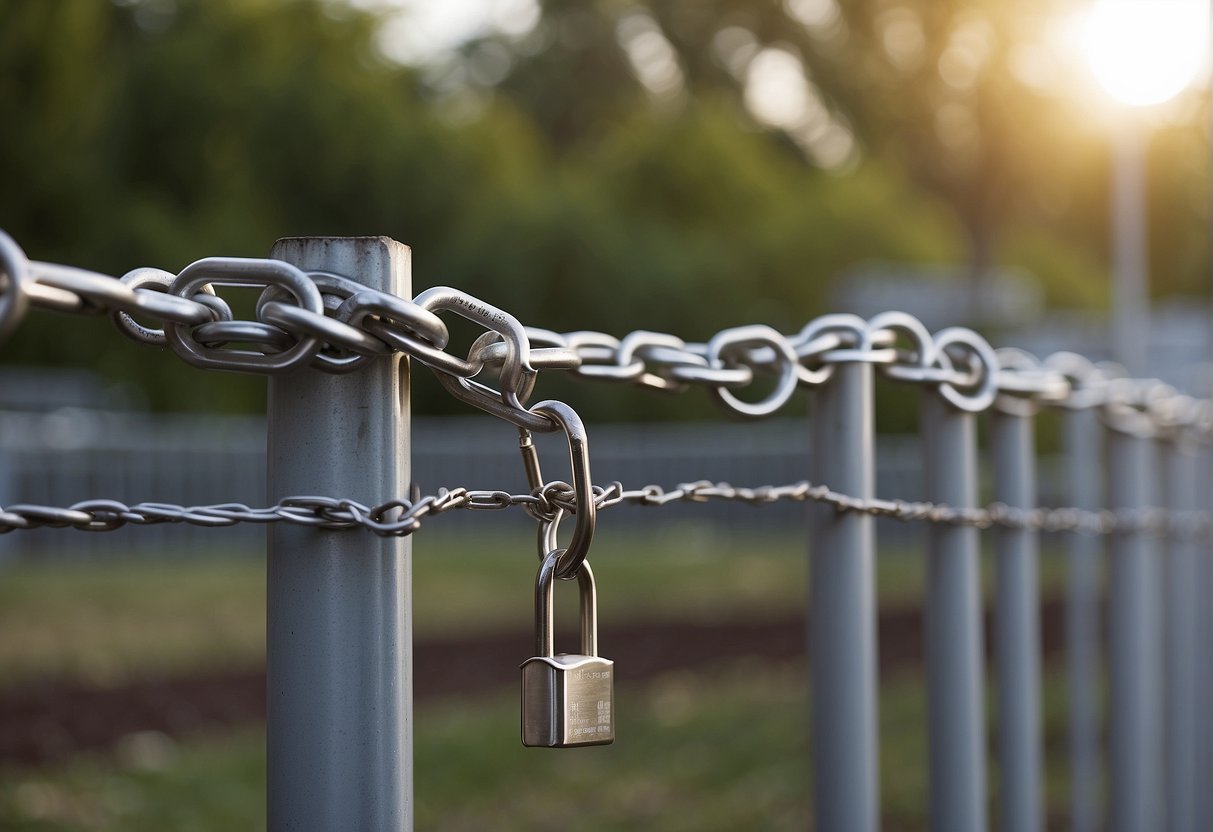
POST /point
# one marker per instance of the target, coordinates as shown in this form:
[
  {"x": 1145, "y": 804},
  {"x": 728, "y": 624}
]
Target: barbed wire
[
  {"x": 403, "y": 516},
  {"x": 336, "y": 324}
]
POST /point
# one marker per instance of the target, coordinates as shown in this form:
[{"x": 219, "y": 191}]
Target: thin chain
[{"x": 402, "y": 517}]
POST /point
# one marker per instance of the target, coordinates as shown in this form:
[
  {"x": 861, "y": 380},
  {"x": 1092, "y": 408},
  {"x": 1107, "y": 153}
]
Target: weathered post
[{"x": 339, "y": 627}]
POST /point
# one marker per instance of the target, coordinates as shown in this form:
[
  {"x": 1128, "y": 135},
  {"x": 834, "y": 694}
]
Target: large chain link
[
  {"x": 336, "y": 324},
  {"x": 401, "y": 517}
]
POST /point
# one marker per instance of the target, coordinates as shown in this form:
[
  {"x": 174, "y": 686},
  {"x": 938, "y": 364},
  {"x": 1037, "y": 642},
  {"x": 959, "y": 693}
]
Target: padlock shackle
[{"x": 587, "y": 592}]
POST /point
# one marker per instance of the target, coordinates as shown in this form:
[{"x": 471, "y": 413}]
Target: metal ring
[
  {"x": 14, "y": 269},
  {"x": 218, "y": 334},
  {"x": 343, "y": 352},
  {"x": 395, "y": 311},
  {"x": 96, "y": 292},
  {"x": 1088, "y": 384},
  {"x": 1022, "y": 375},
  {"x": 885, "y": 357},
  {"x": 1120, "y": 409},
  {"x": 906, "y": 324},
  {"x": 571, "y": 558},
  {"x": 404, "y": 341},
  {"x": 811, "y": 336},
  {"x": 946, "y": 374},
  {"x": 716, "y": 376},
  {"x": 517, "y": 364},
  {"x": 628, "y": 363},
  {"x": 489, "y": 400},
  {"x": 332, "y": 331},
  {"x": 744, "y": 336},
  {"x": 987, "y": 385},
  {"x": 245, "y": 272},
  {"x": 492, "y": 353},
  {"x": 139, "y": 280}
]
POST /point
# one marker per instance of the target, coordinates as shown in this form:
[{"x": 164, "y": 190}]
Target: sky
[{"x": 423, "y": 30}]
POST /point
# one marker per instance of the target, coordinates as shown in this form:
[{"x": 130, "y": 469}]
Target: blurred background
[{"x": 672, "y": 165}]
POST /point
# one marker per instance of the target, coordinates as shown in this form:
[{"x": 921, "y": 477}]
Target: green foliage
[{"x": 155, "y": 132}]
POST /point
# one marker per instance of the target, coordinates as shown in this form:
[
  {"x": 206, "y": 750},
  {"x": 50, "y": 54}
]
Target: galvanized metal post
[
  {"x": 1134, "y": 660},
  {"x": 339, "y": 628},
  {"x": 956, "y": 707},
  {"x": 1204, "y": 636},
  {"x": 1017, "y": 626},
  {"x": 1183, "y": 641},
  {"x": 1084, "y": 468},
  {"x": 842, "y": 608}
]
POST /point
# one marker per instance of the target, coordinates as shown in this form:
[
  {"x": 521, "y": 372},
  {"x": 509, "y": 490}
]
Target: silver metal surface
[
  {"x": 244, "y": 272},
  {"x": 401, "y": 516},
  {"x": 1017, "y": 631},
  {"x": 1084, "y": 475},
  {"x": 570, "y": 559},
  {"x": 567, "y": 698},
  {"x": 14, "y": 275},
  {"x": 1184, "y": 644},
  {"x": 955, "y": 689},
  {"x": 842, "y": 608},
  {"x": 1134, "y": 648},
  {"x": 150, "y": 288},
  {"x": 724, "y": 353},
  {"x": 956, "y": 362},
  {"x": 339, "y": 629}
]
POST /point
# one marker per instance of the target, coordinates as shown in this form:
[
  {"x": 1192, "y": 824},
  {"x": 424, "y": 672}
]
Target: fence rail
[{"x": 1137, "y": 459}]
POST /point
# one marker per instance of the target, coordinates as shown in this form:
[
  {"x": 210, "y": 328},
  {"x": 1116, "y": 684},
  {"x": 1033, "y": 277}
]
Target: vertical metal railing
[
  {"x": 956, "y": 709},
  {"x": 842, "y": 608},
  {"x": 1084, "y": 467},
  {"x": 1017, "y": 623},
  {"x": 1182, "y": 640},
  {"x": 1203, "y": 591},
  {"x": 1134, "y": 655},
  {"x": 338, "y": 634}
]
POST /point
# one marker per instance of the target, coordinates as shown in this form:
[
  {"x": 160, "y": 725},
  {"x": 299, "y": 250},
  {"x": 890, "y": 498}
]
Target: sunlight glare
[{"x": 1145, "y": 52}]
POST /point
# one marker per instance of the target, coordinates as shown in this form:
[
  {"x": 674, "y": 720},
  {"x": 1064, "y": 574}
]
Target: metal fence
[{"x": 1132, "y": 490}]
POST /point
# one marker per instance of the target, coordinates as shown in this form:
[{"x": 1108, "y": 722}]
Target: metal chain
[
  {"x": 404, "y": 516},
  {"x": 336, "y": 324}
]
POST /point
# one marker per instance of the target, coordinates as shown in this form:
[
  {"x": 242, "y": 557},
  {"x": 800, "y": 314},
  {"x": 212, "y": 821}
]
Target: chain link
[
  {"x": 336, "y": 324},
  {"x": 401, "y": 517}
]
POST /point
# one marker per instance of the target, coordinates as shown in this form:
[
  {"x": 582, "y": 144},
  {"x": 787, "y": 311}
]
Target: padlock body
[{"x": 568, "y": 700}]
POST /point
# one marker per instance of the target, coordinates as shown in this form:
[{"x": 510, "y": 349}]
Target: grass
[
  {"x": 102, "y": 623},
  {"x": 723, "y": 749}
]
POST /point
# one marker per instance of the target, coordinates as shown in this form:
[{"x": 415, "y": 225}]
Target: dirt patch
[{"x": 51, "y": 721}]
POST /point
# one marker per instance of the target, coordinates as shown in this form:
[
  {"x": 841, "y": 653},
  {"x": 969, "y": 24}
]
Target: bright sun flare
[{"x": 1146, "y": 51}]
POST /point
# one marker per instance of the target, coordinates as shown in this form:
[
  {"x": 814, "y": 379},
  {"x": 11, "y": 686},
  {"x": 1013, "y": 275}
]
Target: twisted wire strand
[{"x": 403, "y": 516}]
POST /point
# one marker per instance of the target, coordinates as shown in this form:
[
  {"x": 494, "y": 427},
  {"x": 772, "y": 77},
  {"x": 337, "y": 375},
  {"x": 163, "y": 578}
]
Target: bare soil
[{"x": 52, "y": 720}]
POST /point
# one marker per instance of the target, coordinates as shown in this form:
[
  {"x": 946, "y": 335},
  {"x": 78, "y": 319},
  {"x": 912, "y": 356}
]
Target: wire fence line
[{"x": 74, "y": 454}]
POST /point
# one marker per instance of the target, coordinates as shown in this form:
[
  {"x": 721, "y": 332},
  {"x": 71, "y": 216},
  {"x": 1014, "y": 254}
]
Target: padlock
[{"x": 567, "y": 698}]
